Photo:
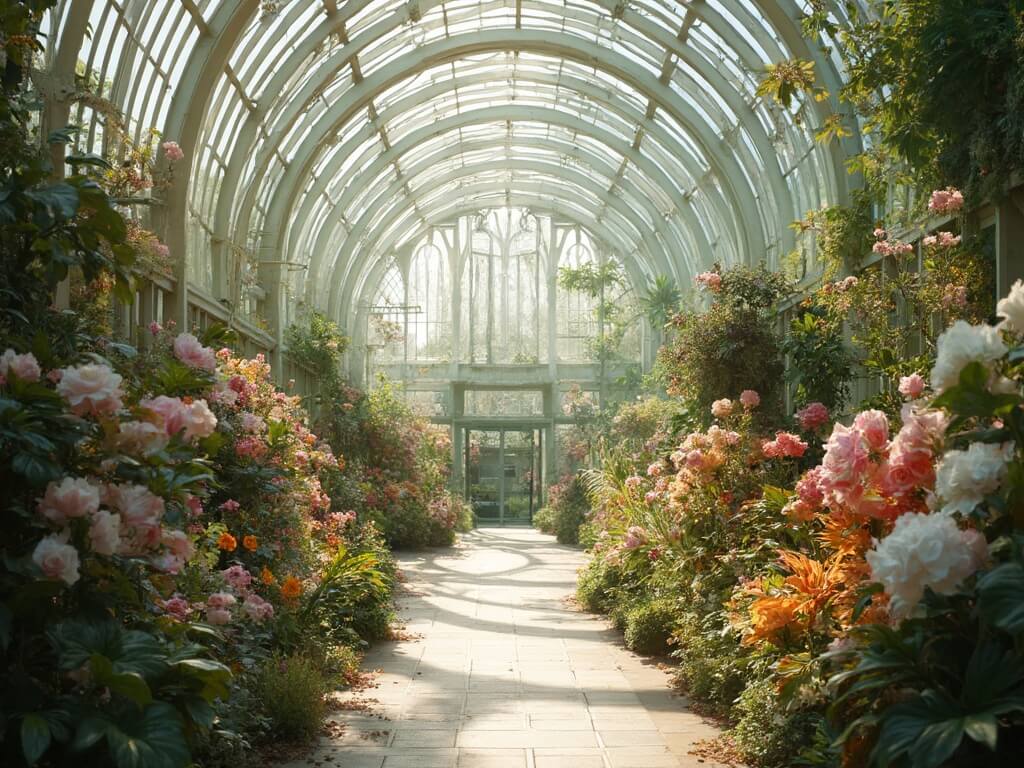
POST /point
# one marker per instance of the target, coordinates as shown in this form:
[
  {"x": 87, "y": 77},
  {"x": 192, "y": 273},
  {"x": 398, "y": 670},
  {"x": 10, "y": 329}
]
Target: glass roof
[{"x": 329, "y": 133}]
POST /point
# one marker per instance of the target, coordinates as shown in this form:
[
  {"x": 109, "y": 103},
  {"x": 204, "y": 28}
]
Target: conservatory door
[{"x": 501, "y": 467}]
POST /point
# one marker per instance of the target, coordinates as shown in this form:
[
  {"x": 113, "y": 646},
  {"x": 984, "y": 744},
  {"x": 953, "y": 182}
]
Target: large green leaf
[
  {"x": 1001, "y": 597},
  {"x": 151, "y": 738},
  {"x": 127, "y": 650},
  {"x": 35, "y": 737}
]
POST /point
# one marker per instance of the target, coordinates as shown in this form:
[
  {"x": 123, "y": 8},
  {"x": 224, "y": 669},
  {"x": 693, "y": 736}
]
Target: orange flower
[
  {"x": 227, "y": 542},
  {"x": 250, "y": 543},
  {"x": 267, "y": 577},
  {"x": 291, "y": 587}
]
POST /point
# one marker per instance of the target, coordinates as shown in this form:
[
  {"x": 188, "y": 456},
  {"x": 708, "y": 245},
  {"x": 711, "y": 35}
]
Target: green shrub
[
  {"x": 649, "y": 626},
  {"x": 765, "y": 734},
  {"x": 292, "y": 689},
  {"x": 596, "y": 585},
  {"x": 544, "y": 520},
  {"x": 568, "y": 501},
  {"x": 712, "y": 665}
]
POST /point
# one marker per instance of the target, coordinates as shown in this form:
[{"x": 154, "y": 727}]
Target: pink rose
[
  {"x": 71, "y": 497},
  {"x": 105, "y": 532},
  {"x": 57, "y": 559},
  {"x": 253, "y": 423},
  {"x": 845, "y": 460},
  {"x": 750, "y": 399},
  {"x": 155, "y": 328},
  {"x": 179, "y": 547},
  {"x": 874, "y": 425},
  {"x": 218, "y": 616},
  {"x": 809, "y": 490},
  {"x": 91, "y": 390},
  {"x": 912, "y": 386},
  {"x": 189, "y": 350},
  {"x": 141, "y": 511},
  {"x": 170, "y": 410},
  {"x": 25, "y": 366}
]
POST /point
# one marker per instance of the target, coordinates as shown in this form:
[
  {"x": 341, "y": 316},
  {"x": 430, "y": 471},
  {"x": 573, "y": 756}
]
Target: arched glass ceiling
[{"x": 328, "y": 133}]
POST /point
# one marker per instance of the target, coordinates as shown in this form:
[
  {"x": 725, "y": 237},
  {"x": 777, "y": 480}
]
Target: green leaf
[
  {"x": 153, "y": 738},
  {"x": 127, "y": 651},
  {"x": 90, "y": 730},
  {"x": 131, "y": 685},
  {"x": 5, "y": 627},
  {"x": 35, "y": 737},
  {"x": 999, "y": 597},
  {"x": 61, "y": 199},
  {"x": 983, "y": 728}
]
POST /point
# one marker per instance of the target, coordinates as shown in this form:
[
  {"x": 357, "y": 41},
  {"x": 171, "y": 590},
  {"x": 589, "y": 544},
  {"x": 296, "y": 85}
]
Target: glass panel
[
  {"x": 518, "y": 478},
  {"x": 483, "y": 475}
]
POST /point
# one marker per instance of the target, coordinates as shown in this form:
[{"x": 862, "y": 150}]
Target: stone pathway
[{"x": 506, "y": 675}]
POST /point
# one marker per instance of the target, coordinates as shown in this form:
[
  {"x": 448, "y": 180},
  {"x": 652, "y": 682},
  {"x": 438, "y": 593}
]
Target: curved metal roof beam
[
  {"x": 495, "y": 114},
  {"x": 574, "y": 182},
  {"x": 648, "y": 167},
  {"x": 329, "y": 231},
  {"x": 462, "y": 45}
]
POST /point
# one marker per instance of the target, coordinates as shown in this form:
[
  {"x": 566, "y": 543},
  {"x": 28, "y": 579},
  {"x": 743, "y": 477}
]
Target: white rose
[
  {"x": 961, "y": 344},
  {"x": 199, "y": 420},
  {"x": 57, "y": 559},
  {"x": 964, "y": 478},
  {"x": 105, "y": 532},
  {"x": 143, "y": 437},
  {"x": 71, "y": 497},
  {"x": 91, "y": 389},
  {"x": 924, "y": 551},
  {"x": 1011, "y": 309}
]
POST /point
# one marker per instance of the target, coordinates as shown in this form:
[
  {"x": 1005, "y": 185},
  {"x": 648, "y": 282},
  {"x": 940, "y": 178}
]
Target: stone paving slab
[{"x": 506, "y": 675}]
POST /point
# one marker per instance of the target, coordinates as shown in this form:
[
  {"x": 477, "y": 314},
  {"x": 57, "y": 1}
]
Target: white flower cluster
[
  {"x": 1011, "y": 309},
  {"x": 960, "y": 345},
  {"x": 964, "y": 478},
  {"x": 924, "y": 551}
]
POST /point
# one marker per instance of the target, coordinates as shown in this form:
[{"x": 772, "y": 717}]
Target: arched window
[
  {"x": 576, "y": 310},
  {"x": 429, "y": 299},
  {"x": 386, "y": 320}
]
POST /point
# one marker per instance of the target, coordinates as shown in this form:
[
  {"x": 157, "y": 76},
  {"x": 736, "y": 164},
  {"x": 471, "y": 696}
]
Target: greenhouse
[{"x": 516, "y": 383}]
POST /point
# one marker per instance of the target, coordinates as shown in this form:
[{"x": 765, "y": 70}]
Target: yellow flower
[
  {"x": 227, "y": 542},
  {"x": 250, "y": 543},
  {"x": 291, "y": 587}
]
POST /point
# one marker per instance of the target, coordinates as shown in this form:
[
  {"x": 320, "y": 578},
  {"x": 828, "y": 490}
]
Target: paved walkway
[{"x": 506, "y": 675}]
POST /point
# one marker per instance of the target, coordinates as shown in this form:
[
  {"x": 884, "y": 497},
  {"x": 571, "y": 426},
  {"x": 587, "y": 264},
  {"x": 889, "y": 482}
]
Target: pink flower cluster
[
  {"x": 941, "y": 240},
  {"x": 634, "y": 481},
  {"x": 721, "y": 409},
  {"x": 251, "y": 447},
  {"x": 912, "y": 386},
  {"x": 812, "y": 417},
  {"x": 709, "y": 281},
  {"x": 172, "y": 151},
  {"x": 194, "y": 420},
  {"x": 750, "y": 399},
  {"x": 954, "y": 296},
  {"x": 892, "y": 248},
  {"x": 946, "y": 201},
  {"x": 635, "y": 537},
  {"x": 786, "y": 445}
]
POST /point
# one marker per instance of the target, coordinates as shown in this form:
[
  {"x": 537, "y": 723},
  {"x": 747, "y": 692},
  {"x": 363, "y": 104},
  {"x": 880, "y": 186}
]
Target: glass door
[{"x": 501, "y": 473}]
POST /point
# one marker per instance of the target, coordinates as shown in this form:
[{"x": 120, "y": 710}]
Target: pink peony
[
  {"x": 846, "y": 459},
  {"x": 874, "y": 426},
  {"x": 172, "y": 151},
  {"x": 808, "y": 488},
  {"x": 105, "y": 532},
  {"x": 71, "y": 497},
  {"x": 25, "y": 367},
  {"x": 695, "y": 459},
  {"x": 946, "y": 201},
  {"x": 253, "y": 423},
  {"x": 750, "y": 399},
  {"x": 812, "y": 416},
  {"x": 178, "y": 607},
  {"x": 170, "y": 410},
  {"x": 230, "y": 506},
  {"x": 256, "y": 608},
  {"x": 721, "y": 409},
  {"x": 141, "y": 511},
  {"x": 179, "y": 550},
  {"x": 218, "y": 608},
  {"x": 237, "y": 577},
  {"x": 199, "y": 420},
  {"x": 912, "y": 386},
  {"x": 57, "y": 559},
  {"x": 91, "y": 390},
  {"x": 141, "y": 438},
  {"x": 189, "y": 350}
]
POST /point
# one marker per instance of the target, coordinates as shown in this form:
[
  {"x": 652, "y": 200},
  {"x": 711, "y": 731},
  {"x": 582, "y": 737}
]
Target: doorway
[{"x": 502, "y": 473}]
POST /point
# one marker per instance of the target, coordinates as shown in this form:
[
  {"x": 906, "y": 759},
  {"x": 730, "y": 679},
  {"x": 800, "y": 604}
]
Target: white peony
[
  {"x": 924, "y": 551},
  {"x": 1011, "y": 309},
  {"x": 965, "y": 478},
  {"x": 961, "y": 344}
]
